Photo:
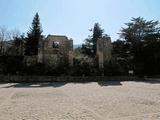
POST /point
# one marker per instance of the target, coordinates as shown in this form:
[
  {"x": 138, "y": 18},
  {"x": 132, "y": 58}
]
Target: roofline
[{"x": 57, "y": 35}]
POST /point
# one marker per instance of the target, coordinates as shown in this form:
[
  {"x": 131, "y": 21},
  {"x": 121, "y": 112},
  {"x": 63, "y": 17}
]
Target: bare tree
[
  {"x": 3, "y": 37},
  {"x": 7, "y": 40},
  {"x": 12, "y": 34}
]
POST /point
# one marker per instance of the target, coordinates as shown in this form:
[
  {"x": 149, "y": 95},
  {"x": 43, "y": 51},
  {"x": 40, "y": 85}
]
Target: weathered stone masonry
[
  {"x": 104, "y": 48},
  {"x": 54, "y": 48}
]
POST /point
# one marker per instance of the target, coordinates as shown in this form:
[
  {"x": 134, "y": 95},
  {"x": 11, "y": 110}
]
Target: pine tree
[
  {"x": 90, "y": 46},
  {"x": 33, "y": 37}
]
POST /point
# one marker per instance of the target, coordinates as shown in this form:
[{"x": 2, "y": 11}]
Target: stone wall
[
  {"x": 17, "y": 79},
  {"x": 54, "y": 48},
  {"x": 104, "y": 48}
]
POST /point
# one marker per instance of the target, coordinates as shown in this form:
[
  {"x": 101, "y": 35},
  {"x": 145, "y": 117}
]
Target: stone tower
[{"x": 104, "y": 48}]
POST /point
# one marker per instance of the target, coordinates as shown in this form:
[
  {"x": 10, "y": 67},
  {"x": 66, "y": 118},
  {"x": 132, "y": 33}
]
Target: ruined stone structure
[
  {"x": 104, "y": 47},
  {"x": 54, "y": 49}
]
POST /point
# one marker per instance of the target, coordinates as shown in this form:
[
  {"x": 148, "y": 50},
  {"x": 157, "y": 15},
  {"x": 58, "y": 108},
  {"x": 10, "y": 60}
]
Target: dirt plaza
[{"x": 105, "y": 100}]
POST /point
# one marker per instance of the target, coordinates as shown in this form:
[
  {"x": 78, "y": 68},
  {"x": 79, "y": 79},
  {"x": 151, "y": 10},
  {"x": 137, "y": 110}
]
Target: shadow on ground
[
  {"x": 110, "y": 83},
  {"x": 35, "y": 85},
  {"x": 60, "y": 84},
  {"x": 151, "y": 81}
]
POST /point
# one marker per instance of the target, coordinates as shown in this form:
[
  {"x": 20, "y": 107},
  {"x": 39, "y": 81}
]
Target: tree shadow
[
  {"x": 36, "y": 85},
  {"x": 150, "y": 81},
  {"x": 110, "y": 83},
  {"x": 60, "y": 84}
]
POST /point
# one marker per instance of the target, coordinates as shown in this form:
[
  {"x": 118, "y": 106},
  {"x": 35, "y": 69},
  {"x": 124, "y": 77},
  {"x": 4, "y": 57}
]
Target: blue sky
[{"x": 74, "y": 18}]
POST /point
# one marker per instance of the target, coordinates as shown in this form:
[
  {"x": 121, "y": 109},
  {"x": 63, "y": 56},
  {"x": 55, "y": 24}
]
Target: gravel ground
[{"x": 111, "y": 100}]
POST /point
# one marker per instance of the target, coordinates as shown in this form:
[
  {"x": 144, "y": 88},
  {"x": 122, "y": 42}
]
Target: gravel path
[{"x": 112, "y": 100}]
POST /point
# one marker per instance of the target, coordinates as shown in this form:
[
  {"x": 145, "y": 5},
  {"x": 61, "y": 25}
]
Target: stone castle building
[{"x": 55, "y": 48}]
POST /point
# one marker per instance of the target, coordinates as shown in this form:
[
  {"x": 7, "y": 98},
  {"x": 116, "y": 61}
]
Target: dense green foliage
[{"x": 139, "y": 48}]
